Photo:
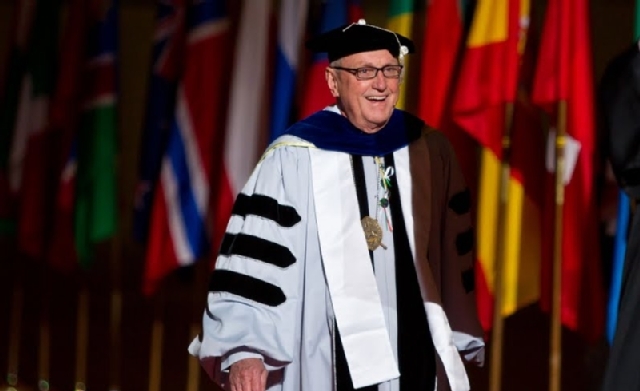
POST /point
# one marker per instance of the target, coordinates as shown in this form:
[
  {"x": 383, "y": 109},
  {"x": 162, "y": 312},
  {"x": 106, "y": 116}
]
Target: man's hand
[{"x": 248, "y": 374}]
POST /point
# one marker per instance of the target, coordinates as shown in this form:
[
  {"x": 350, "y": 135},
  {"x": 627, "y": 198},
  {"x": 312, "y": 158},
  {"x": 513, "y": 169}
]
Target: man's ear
[{"x": 332, "y": 82}]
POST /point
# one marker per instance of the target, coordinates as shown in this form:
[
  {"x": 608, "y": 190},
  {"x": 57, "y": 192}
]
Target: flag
[
  {"x": 354, "y": 10},
  {"x": 401, "y": 22},
  {"x": 522, "y": 259},
  {"x": 487, "y": 83},
  {"x": 488, "y": 76},
  {"x": 525, "y": 191},
  {"x": 293, "y": 14},
  {"x": 242, "y": 145},
  {"x": 443, "y": 33},
  {"x": 96, "y": 194},
  {"x": 166, "y": 68},
  {"x": 64, "y": 120},
  {"x": 62, "y": 253},
  {"x": 178, "y": 233},
  {"x": 31, "y": 176},
  {"x": 316, "y": 93},
  {"x": 564, "y": 74},
  {"x": 9, "y": 97}
]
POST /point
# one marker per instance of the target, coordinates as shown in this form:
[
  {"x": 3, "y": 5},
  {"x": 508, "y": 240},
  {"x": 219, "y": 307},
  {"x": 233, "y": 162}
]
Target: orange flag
[{"x": 487, "y": 82}]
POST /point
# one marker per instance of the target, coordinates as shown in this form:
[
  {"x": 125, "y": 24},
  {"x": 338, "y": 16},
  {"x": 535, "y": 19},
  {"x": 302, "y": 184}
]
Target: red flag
[
  {"x": 444, "y": 29},
  {"x": 354, "y": 10},
  {"x": 178, "y": 233},
  {"x": 32, "y": 168},
  {"x": 443, "y": 33},
  {"x": 489, "y": 72},
  {"x": 317, "y": 96},
  {"x": 64, "y": 120},
  {"x": 564, "y": 74},
  {"x": 10, "y": 86},
  {"x": 487, "y": 82}
]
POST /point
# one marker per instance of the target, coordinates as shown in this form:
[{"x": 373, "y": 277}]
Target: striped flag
[
  {"x": 564, "y": 74},
  {"x": 96, "y": 195},
  {"x": 243, "y": 135},
  {"x": 316, "y": 93},
  {"x": 293, "y": 15},
  {"x": 401, "y": 21},
  {"x": 488, "y": 81},
  {"x": 166, "y": 68},
  {"x": 9, "y": 98},
  {"x": 178, "y": 234}
]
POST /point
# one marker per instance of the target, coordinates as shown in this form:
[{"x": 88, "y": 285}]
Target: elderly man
[{"x": 347, "y": 263}]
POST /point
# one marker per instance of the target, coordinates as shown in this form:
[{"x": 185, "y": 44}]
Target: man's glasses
[{"x": 368, "y": 73}]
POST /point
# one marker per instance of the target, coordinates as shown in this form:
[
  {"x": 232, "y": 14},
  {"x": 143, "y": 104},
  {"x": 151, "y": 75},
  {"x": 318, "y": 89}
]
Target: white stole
[{"x": 351, "y": 281}]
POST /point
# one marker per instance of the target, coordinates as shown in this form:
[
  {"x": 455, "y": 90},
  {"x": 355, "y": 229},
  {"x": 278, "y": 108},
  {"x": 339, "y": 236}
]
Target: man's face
[{"x": 368, "y": 104}]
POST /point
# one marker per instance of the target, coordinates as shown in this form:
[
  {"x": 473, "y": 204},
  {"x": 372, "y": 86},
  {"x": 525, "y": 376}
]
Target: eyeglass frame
[{"x": 354, "y": 71}]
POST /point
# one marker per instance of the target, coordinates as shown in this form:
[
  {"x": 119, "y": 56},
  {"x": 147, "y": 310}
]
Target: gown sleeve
[
  {"x": 254, "y": 290},
  {"x": 456, "y": 238}
]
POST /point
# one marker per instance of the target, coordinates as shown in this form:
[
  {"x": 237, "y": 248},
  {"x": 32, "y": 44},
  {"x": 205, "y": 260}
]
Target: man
[
  {"x": 347, "y": 262},
  {"x": 620, "y": 109}
]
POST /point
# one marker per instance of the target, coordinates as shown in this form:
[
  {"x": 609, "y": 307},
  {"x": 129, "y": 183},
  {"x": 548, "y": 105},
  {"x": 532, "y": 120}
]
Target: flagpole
[
  {"x": 14, "y": 329},
  {"x": 497, "y": 338},
  {"x": 45, "y": 336},
  {"x": 82, "y": 337},
  {"x": 193, "y": 374},
  {"x": 157, "y": 332},
  {"x": 555, "y": 356},
  {"x": 116, "y": 313}
]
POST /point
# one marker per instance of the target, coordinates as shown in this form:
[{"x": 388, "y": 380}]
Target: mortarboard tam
[{"x": 357, "y": 38}]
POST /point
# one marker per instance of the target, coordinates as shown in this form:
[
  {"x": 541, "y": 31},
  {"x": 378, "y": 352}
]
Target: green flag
[
  {"x": 96, "y": 206},
  {"x": 636, "y": 24}
]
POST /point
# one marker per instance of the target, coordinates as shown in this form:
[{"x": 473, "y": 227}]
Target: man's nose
[{"x": 379, "y": 82}]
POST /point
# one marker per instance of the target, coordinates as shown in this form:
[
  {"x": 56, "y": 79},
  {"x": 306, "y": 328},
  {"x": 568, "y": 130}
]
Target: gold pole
[
  {"x": 193, "y": 373},
  {"x": 497, "y": 338},
  {"x": 555, "y": 355},
  {"x": 45, "y": 336},
  {"x": 116, "y": 315},
  {"x": 14, "y": 332},
  {"x": 82, "y": 338},
  {"x": 155, "y": 358}
]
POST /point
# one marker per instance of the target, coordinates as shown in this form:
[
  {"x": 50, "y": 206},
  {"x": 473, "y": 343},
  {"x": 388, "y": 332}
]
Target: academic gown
[
  {"x": 619, "y": 99},
  {"x": 296, "y": 286}
]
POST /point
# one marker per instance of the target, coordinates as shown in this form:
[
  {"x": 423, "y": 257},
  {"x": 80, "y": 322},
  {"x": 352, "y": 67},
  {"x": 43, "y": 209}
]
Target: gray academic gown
[{"x": 293, "y": 273}]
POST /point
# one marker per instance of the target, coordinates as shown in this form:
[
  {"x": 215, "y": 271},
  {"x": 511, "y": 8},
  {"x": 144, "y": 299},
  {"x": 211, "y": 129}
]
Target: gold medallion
[{"x": 372, "y": 233}]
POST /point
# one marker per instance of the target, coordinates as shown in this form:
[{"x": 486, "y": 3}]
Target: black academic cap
[{"x": 357, "y": 38}]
